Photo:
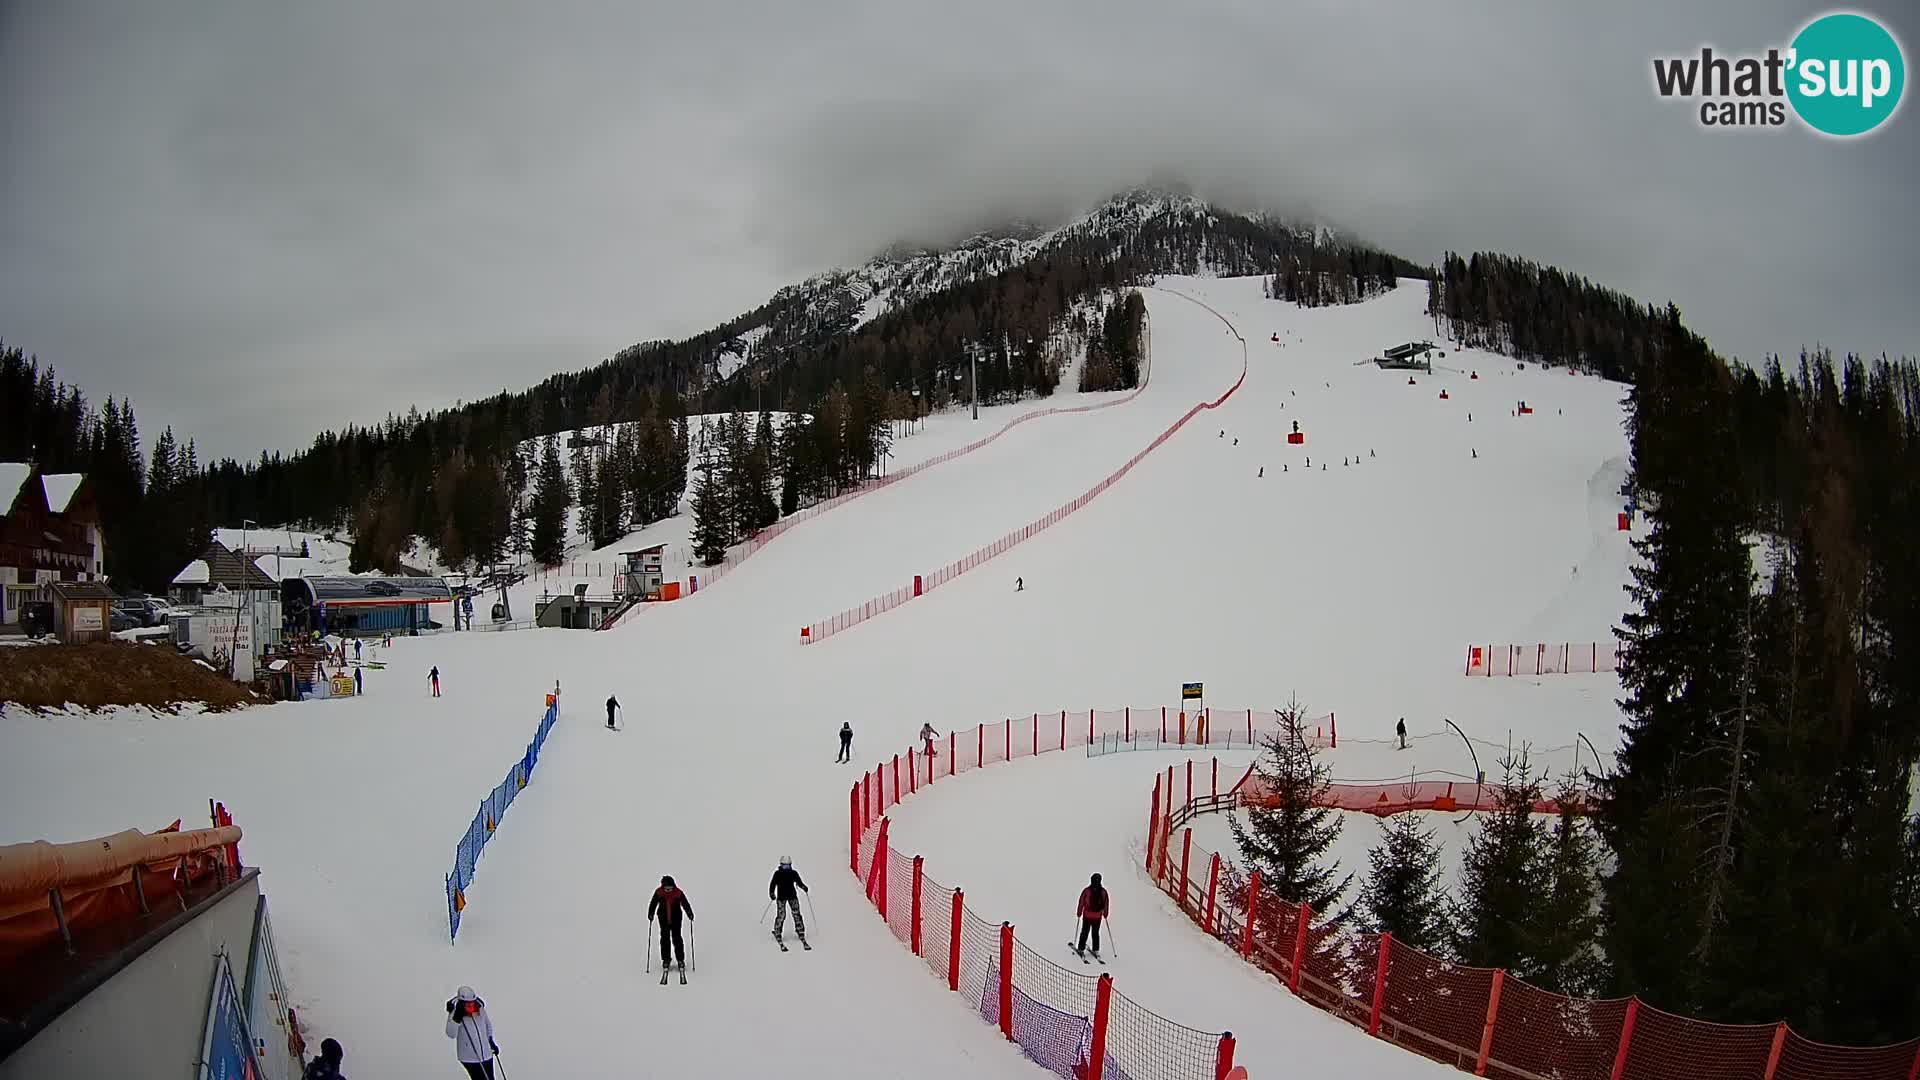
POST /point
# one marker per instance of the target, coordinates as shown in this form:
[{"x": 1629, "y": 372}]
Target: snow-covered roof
[
  {"x": 281, "y": 567},
  {"x": 196, "y": 572},
  {"x": 12, "y": 475},
  {"x": 257, "y": 539},
  {"x": 60, "y": 488}
]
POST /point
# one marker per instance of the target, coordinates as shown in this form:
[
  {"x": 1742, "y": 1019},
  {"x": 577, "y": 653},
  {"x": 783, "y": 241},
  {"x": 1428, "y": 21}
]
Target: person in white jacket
[{"x": 472, "y": 1033}]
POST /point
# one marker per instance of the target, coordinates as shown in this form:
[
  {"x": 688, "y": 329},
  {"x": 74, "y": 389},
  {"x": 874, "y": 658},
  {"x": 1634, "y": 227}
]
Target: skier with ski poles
[
  {"x": 471, "y": 1030},
  {"x": 669, "y": 904},
  {"x": 612, "y": 704},
  {"x": 1094, "y": 906},
  {"x": 784, "y": 890},
  {"x": 927, "y": 735},
  {"x": 846, "y": 743}
]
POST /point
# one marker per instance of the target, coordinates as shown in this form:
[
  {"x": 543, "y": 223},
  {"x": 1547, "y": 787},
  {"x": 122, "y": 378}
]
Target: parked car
[
  {"x": 120, "y": 619},
  {"x": 133, "y": 611}
]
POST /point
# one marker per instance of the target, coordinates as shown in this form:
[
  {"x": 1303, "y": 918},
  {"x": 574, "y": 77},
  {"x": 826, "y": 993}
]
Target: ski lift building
[{"x": 364, "y": 605}]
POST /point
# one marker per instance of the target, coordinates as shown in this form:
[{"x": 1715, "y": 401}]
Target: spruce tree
[
  {"x": 1286, "y": 829},
  {"x": 710, "y": 516},
  {"x": 1567, "y": 941},
  {"x": 1403, "y": 894},
  {"x": 551, "y": 500},
  {"x": 1502, "y": 879}
]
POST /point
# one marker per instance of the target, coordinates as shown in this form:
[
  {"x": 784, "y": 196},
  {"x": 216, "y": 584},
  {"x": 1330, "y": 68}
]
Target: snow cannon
[
  {"x": 1296, "y": 437},
  {"x": 1443, "y": 396}
]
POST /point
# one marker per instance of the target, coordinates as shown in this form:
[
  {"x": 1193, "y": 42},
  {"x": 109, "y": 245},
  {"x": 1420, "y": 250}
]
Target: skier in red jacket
[{"x": 1093, "y": 908}]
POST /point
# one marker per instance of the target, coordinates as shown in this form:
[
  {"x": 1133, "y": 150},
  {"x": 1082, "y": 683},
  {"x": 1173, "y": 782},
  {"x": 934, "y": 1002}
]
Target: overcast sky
[{"x": 262, "y": 219}]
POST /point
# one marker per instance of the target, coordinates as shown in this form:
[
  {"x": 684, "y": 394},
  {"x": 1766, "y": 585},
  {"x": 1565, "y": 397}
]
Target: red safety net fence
[
  {"x": 1480, "y": 1020},
  {"x": 1566, "y": 658},
  {"x": 1075, "y": 1025},
  {"x": 924, "y": 583}
]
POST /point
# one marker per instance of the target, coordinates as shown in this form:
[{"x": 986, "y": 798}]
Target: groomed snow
[{"x": 1357, "y": 588}]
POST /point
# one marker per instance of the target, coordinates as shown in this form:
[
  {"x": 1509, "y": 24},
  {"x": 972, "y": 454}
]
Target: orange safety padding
[
  {"x": 29, "y": 871},
  {"x": 670, "y": 591}
]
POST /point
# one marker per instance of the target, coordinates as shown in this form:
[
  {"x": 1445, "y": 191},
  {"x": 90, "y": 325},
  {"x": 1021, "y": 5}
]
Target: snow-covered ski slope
[{"x": 1357, "y": 587}]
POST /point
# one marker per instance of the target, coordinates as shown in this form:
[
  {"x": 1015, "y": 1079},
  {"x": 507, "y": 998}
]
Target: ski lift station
[
  {"x": 364, "y": 605},
  {"x": 1411, "y": 356}
]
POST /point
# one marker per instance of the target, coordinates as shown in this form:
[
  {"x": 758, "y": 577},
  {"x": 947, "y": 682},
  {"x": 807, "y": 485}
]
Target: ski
[
  {"x": 1078, "y": 953},
  {"x": 683, "y": 976},
  {"x": 663, "y": 977}
]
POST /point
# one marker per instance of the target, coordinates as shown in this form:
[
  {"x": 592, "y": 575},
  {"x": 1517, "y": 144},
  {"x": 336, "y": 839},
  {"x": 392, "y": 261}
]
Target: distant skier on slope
[
  {"x": 1400, "y": 730},
  {"x": 927, "y": 735},
  {"x": 612, "y": 704},
  {"x": 1019, "y": 584},
  {"x": 782, "y": 891},
  {"x": 434, "y": 678},
  {"x": 669, "y": 904},
  {"x": 1093, "y": 908}
]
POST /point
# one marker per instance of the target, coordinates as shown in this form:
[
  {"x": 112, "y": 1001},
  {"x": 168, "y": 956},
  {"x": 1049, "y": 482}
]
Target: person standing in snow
[
  {"x": 434, "y": 678},
  {"x": 1400, "y": 729},
  {"x": 1093, "y": 908},
  {"x": 1019, "y": 584},
  {"x": 668, "y": 905},
  {"x": 327, "y": 1065},
  {"x": 612, "y": 704},
  {"x": 927, "y": 735},
  {"x": 358, "y": 686},
  {"x": 846, "y": 743},
  {"x": 471, "y": 1030},
  {"x": 784, "y": 890}
]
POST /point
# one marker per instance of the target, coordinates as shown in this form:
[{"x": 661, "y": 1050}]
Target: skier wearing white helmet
[
  {"x": 471, "y": 1030},
  {"x": 784, "y": 890}
]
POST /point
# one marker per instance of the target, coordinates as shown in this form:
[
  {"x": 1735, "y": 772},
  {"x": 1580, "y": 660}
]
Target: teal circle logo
[{"x": 1846, "y": 74}]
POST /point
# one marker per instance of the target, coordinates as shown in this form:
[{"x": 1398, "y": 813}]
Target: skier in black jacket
[
  {"x": 846, "y": 743},
  {"x": 669, "y": 903},
  {"x": 784, "y": 890}
]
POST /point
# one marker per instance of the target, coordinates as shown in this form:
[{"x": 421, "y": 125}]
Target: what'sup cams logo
[{"x": 1842, "y": 75}]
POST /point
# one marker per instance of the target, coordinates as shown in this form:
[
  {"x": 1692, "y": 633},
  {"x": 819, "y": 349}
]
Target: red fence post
[
  {"x": 896, "y": 780},
  {"x": 953, "y": 940},
  {"x": 1153, "y": 823},
  {"x": 1036, "y": 735},
  {"x": 913, "y": 775},
  {"x": 1009, "y": 734},
  {"x": 1333, "y": 729},
  {"x": 1626, "y": 1038},
  {"x": 950, "y": 742},
  {"x": 1486, "y": 1033},
  {"x": 917, "y": 876},
  {"x": 1102, "y": 1003},
  {"x": 1302, "y": 921},
  {"x": 1253, "y": 912},
  {"x": 879, "y": 867},
  {"x": 1186, "y": 855},
  {"x": 1163, "y": 723},
  {"x": 1063, "y": 729},
  {"x": 1089, "y": 727},
  {"x": 1182, "y": 732},
  {"x": 1773, "y": 1055},
  {"x": 1213, "y": 889},
  {"x": 882, "y": 860},
  {"x": 1216, "y": 778},
  {"x": 1380, "y": 982},
  {"x": 853, "y": 829},
  {"x": 980, "y": 751},
  {"x": 1006, "y": 980},
  {"x": 1223, "y": 1065},
  {"x": 1127, "y": 730},
  {"x": 1914, "y": 1072}
]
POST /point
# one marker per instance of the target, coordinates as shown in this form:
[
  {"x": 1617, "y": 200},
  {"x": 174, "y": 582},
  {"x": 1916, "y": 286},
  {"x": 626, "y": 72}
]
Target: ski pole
[
  {"x": 501, "y": 1062},
  {"x": 649, "y": 946},
  {"x": 811, "y": 915},
  {"x": 693, "y": 945},
  {"x": 763, "y": 912},
  {"x": 1113, "y": 943}
]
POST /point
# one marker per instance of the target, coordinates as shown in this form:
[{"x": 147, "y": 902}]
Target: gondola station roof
[{"x": 370, "y": 591}]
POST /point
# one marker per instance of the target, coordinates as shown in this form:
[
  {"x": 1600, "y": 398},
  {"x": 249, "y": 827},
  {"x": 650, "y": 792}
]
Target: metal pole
[{"x": 974, "y": 355}]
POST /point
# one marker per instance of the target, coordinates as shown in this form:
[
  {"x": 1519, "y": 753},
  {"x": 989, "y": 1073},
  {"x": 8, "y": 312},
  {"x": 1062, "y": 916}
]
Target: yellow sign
[
  {"x": 1189, "y": 690},
  {"x": 342, "y": 685}
]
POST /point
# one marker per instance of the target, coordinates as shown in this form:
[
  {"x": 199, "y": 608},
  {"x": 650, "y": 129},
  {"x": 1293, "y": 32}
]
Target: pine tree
[
  {"x": 710, "y": 515},
  {"x": 1286, "y": 830},
  {"x": 1567, "y": 940},
  {"x": 551, "y": 500},
  {"x": 1403, "y": 894},
  {"x": 586, "y": 485},
  {"x": 1502, "y": 878}
]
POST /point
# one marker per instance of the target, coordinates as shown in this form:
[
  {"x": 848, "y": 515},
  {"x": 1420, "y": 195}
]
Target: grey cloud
[{"x": 264, "y": 219}]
